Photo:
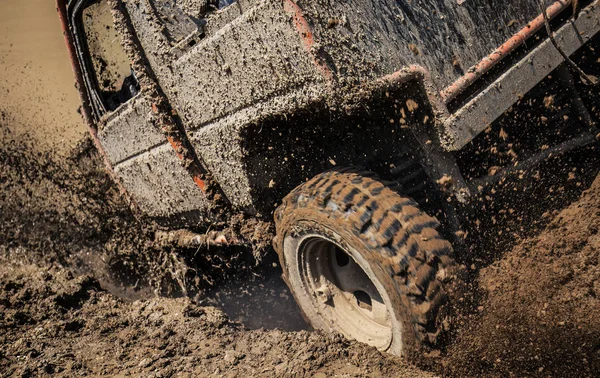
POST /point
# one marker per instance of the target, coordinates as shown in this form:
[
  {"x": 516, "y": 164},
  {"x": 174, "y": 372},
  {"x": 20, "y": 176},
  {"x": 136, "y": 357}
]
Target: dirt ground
[
  {"x": 57, "y": 324},
  {"x": 84, "y": 291},
  {"x": 67, "y": 238},
  {"x": 540, "y": 315}
]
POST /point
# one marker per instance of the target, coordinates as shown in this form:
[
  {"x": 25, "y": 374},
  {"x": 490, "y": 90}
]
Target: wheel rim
[{"x": 343, "y": 293}]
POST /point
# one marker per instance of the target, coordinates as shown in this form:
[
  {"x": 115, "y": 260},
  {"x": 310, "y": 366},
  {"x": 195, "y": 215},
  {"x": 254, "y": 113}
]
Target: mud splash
[
  {"x": 64, "y": 221},
  {"x": 540, "y": 315},
  {"x": 69, "y": 211}
]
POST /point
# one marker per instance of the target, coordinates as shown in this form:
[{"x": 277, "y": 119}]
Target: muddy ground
[
  {"x": 84, "y": 291},
  {"x": 539, "y": 314},
  {"x": 67, "y": 238}
]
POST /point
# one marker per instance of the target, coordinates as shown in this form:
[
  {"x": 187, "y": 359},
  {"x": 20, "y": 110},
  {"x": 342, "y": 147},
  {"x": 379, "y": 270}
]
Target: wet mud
[
  {"x": 84, "y": 290},
  {"x": 80, "y": 277},
  {"x": 540, "y": 311},
  {"x": 55, "y": 323}
]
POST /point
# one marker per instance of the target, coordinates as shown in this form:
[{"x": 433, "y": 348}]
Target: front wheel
[{"x": 364, "y": 261}]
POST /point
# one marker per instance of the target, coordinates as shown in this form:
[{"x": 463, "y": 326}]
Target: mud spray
[{"x": 85, "y": 291}]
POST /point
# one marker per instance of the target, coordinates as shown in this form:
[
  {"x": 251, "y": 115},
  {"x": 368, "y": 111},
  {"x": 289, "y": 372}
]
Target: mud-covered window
[
  {"x": 181, "y": 18},
  {"x": 225, "y": 3},
  {"x": 183, "y": 22},
  {"x": 116, "y": 80}
]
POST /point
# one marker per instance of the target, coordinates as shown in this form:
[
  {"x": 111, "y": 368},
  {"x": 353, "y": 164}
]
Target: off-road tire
[{"x": 399, "y": 242}]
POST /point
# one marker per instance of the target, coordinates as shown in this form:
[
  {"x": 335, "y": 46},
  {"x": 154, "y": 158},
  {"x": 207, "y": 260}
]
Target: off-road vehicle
[{"x": 346, "y": 124}]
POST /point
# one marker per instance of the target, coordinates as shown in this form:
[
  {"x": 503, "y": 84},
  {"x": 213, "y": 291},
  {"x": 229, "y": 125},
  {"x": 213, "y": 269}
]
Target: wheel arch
[{"x": 368, "y": 126}]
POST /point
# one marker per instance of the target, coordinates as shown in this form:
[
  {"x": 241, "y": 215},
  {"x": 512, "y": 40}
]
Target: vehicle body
[{"x": 226, "y": 111}]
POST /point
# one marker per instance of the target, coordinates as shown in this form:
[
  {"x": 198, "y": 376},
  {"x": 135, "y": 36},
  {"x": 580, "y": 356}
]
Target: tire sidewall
[{"x": 308, "y": 221}]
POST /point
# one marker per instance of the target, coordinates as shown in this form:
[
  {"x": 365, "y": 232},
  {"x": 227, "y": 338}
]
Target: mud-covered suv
[{"x": 344, "y": 123}]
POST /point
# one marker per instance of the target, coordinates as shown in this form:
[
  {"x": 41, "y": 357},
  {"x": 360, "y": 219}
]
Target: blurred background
[{"x": 37, "y": 93}]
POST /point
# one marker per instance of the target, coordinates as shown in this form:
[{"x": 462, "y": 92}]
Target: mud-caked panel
[
  {"x": 225, "y": 15},
  {"x": 247, "y": 57},
  {"x": 258, "y": 55},
  {"x": 159, "y": 37},
  {"x": 160, "y": 186},
  {"x": 222, "y": 148},
  {"x": 257, "y": 160},
  {"x": 128, "y": 131},
  {"x": 365, "y": 39}
]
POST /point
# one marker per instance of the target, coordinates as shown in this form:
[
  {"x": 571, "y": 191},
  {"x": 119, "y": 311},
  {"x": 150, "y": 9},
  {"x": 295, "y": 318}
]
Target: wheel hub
[{"x": 343, "y": 293}]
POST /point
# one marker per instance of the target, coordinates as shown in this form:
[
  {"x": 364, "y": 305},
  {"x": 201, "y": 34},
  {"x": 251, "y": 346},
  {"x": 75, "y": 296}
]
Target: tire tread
[{"x": 402, "y": 237}]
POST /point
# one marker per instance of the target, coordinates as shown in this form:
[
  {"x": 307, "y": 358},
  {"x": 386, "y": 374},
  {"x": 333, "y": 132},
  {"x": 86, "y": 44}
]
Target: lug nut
[{"x": 324, "y": 293}]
